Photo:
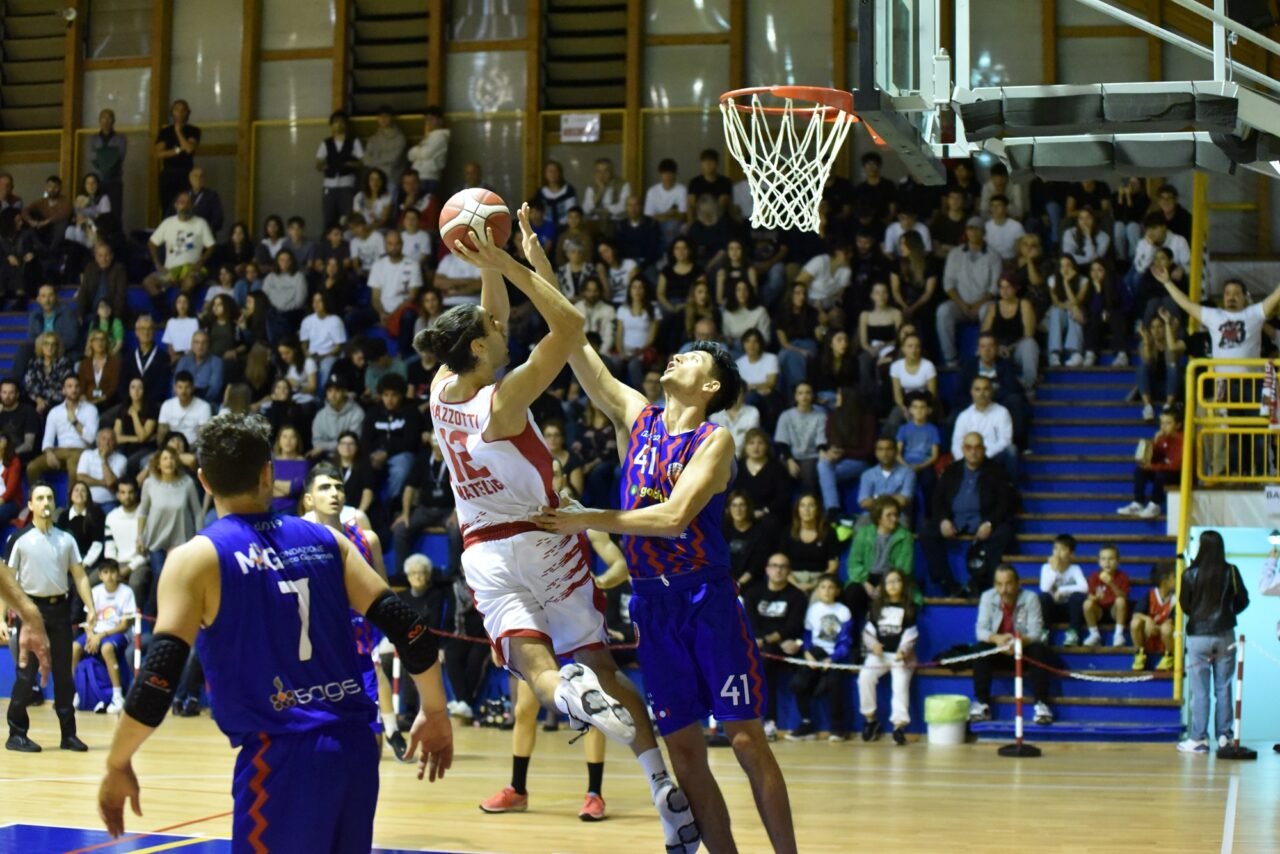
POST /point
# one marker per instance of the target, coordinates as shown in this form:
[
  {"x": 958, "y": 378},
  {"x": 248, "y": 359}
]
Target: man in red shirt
[{"x": 1108, "y": 594}]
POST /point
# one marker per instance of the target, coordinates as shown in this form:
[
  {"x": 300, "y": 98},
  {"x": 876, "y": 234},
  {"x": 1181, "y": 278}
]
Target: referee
[{"x": 42, "y": 557}]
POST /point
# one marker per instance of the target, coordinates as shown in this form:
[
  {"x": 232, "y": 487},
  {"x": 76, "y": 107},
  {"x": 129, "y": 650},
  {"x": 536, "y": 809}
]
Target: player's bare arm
[
  {"x": 32, "y": 639},
  {"x": 532, "y": 246},
  {"x": 707, "y": 474},
  {"x": 616, "y": 564},
  {"x": 1271, "y": 302},
  {"x": 1162, "y": 276}
]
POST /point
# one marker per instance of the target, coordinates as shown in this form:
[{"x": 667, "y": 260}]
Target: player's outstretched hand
[
  {"x": 529, "y": 241},
  {"x": 33, "y": 640},
  {"x": 567, "y": 519},
  {"x": 117, "y": 785},
  {"x": 433, "y": 732},
  {"x": 487, "y": 255}
]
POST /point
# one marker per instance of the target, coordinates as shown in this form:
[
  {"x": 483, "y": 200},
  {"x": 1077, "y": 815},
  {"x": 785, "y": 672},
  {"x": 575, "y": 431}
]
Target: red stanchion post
[
  {"x": 1235, "y": 750},
  {"x": 1018, "y": 749}
]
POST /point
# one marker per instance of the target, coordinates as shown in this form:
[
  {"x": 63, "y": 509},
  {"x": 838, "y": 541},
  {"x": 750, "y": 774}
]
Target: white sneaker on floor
[
  {"x": 678, "y": 827},
  {"x": 1090, "y": 359},
  {"x": 1151, "y": 511},
  {"x": 1094, "y": 638},
  {"x": 1133, "y": 508},
  {"x": 1044, "y": 715},
  {"x": 770, "y": 730},
  {"x": 1117, "y": 637},
  {"x": 1121, "y": 360},
  {"x": 1055, "y": 360},
  {"x": 1191, "y": 745},
  {"x": 1223, "y": 741},
  {"x": 1148, "y": 412},
  {"x": 979, "y": 712},
  {"x": 116, "y": 706},
  {"x": 1075, "y": 360},
  {"x": 585, "y": 702}
]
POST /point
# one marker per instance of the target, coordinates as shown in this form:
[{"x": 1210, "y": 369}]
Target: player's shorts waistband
[
  {"x": 501, "y": 531},
  {"x": 679, "y": 581}
]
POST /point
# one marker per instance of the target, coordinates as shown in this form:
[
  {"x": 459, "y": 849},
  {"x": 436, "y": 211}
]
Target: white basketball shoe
[{"x": 581, "y": 698}]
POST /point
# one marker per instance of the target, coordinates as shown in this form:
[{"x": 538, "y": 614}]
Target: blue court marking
[{"x": 47, "y": 839}]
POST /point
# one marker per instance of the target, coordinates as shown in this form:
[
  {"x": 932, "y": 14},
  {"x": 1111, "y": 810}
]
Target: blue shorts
[
  {"x": 307, "y": 791},
  {"x": 119, "y": 642},
  {"x": 697, "y": 652}
]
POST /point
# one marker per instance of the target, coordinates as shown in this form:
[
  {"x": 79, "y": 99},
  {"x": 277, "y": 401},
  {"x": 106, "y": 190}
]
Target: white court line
[{"x": 1229, "y": 819}]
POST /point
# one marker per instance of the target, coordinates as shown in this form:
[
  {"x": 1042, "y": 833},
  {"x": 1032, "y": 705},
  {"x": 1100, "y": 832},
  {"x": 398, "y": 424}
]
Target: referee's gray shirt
[{"x": 42, "y": 561}]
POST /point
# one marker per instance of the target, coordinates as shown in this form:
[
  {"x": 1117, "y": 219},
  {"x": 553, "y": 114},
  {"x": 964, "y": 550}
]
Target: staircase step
[
  {"x": 366, "y": 103},
  {"x": 1081, "y": 445},
  {"x": 587, "y": 22},
  {"x": 1088, "y": 523},
  {"x": 1131, "y": 545},
  {"x": 1072, "y": 484},
  {"x": 565, "y": 97},
  {"x": 561, "y": 47},
  {"x": 30, "y": 118},
  {"x": 1028, "y": 566},
  {"x": 1094, "y": 375},
  {"x": 31, "y": 94},
  {"x": 594, "y": 70},
  {"x": 1081, "y": 502},
  {"x": 1092, "y": 392},
  {"x": 1068, "y": 731},
  {"x": 19, "y": 26},
  {"x": 393, "y": 29},
  {"x": 26, "y": 7},
  {"x": 366, "y": 8},
  {"x": 1113, "y": 466},
  {"x": 407, "y": 52},
  {"x": 26, "y": 50},
  {"x": 1086, "y": 428},
  {"x": 41, "y": 71}
]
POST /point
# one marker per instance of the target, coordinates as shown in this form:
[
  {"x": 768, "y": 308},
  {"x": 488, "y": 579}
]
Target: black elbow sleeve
[
  {"x": 155, "y": 684},
  {"x": 414, "y": 641}
]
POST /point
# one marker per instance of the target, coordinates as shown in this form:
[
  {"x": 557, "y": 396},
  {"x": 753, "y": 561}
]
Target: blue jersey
[
  {"x": 654, "y": 462},
  {"x": 281, "y": 654}
]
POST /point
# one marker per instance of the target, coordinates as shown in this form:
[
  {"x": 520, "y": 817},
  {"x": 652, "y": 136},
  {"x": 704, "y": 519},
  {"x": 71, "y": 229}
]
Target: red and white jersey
[{"x": 498, "y": 485}]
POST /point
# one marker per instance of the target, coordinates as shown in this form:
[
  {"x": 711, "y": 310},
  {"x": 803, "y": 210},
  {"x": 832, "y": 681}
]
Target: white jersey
[
  {"x": 498, "y": 486},
  {"x": 111, "y": 609}
]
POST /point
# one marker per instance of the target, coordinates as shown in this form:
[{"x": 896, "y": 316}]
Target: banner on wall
[
  {"x": 580, "y": 127},
  {"x": 1271, "y": 494}
]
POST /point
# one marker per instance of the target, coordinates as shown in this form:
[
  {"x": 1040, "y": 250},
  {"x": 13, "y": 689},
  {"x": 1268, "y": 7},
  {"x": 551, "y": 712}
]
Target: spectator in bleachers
[
  {"x": 889, "y": 639},
  {"x": 205, "y": 201},
  {"x": 558, "y": 196},
  {"x": 1063, "y": 589},
  {"x": 109, "y": 325},
  {"x": 1108, "y": 595},
  {"x": 49, "y": 316},
  {"x": 667, "y": 201},
  {"x": 1153, "y": 623},
  {"x": 373, "y": 202},
  {"x": 997, "y": 184},
  {"x": 777, "y": 610},
  {"x": 1011, "y": 322},
  {"x": 286, "y": 290},
  {"x": 19, "y": 270},
  {"x": 412, "y": 195},
  {"x": 969, "y": 281},
  {"x": 601, "y": 319},
  {"x": 1235, "y": 330},
  {"x": 877, "y": 341},
  {"x": 709, "y": 183},
  {"x": 136, "y": 422},
  {"x": 828, "y": 637},
  {"x": 385, "y": 147},
  {"x": 47, "y": 373},
  {"x": 175, "y": 147},
  {"x": 739, "y": 418},
  {"x": 184, "y": 412},
  {"x": 605, "y": 200},
  {"x": 797, "y": 322},
  {"x": 751, "y": 540},
  {"x": 1091, "y": 194},
  {"x": 238, "y": 250},
  {"x": 709, "y": 233},
  {"x": 888, "y": 478},
  {"x": 615, "y": 273},
  {"x": 575, "y": 269},
  {"x": 574, "y": 230},
  {"x": 105, "y": 636},
  {"x": 101, "y": 469},
  {"x": 121, "y": 538},
  {"x": 825, "y": 277},
  {"x": 188, "y": 242},
  {"x": 682, "y": 327},
  {"x": 637, "y": 331},
  {"x": 1085, "y": 241},
  {"x": 919, "y": 442},
  {"x": 1161, "y": 349},
  {"x": 907, "y": 221},
  {"x": 1130, "y": 205},
  {"x": 427, "y": 502},
  {"x": 947, "y": 227},
  {"x": 1004, "y": 611},
  {"x": 298, "y": 369},
  {"x": 836, "y": 367},
  {"x": 219, "y": 322},
  {"x": 764, "y": 479},
  {"x": 676, "y": 280},
  {"x": 103, "y": 280},
  {"x": 338, "y": 158},
  {"x": 339, "y": 415},
  {"x": 800, "y": 433},
  {"x": 394, "y": 283},
  {"x": 430, "y": 156},
  {"x": 737, "y": 267},
  {"x": 322, "y": 335},
  {"x": 1159, "y": 248},
  {"x": 1174, "y": 215},
  {"x": 416, "y": 243},
  {"x": 19, "y": 421},
  {"x": 988, "y": 419},
  {"x": 1006, "y": 389},
  {"x": 366, "y": 245},
  {"x": 962, "y": 178},
  {"x": 457, "y": 280},
  {"x": 810, "y": 543},
  {"x": 12, "y": 497},
  {"x": 1002, "y": 232},
  {"x": 875, "y": 193},
  {"x": 877, "y": 548},
  {"x": 100, "y": 371},
  {"x": 742, "y": 308},
  {"x": 305, "y": 252},
  {"x": 289, "y": 471},
  {"x": 1107, "y": 308},
  {"x": 430, "y": 306},
  {"x": 273, "y": 240},
  {"x": 69, "y": 429},
  {"x": 84, "y": 520},
  {"x": 1072, "y": 296},
  {"x": 914, "y": 283},
  {"x": 356, "y": 472},
  {"x": 975, "y": 495},
  {"x": 168, "y": 516},
  {"x": 1031, "y": 274},
  {"x": 850, "y": 445},
  {"x": 179, "y": 329},
  {"x": 1160, "y": 470},
  {"x": 638, "y": 237},
  {"x": 205, "y": 367},
  {"x": 1048, "y": 199},
  {"x": 107, "y": 151},
  {"x": 47, "y": 217},
  {"x": 393, "y": 434}
]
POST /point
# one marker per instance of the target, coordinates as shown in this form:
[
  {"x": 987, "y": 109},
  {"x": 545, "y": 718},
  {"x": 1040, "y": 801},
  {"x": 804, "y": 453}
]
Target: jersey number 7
[{"x": 302, "y": 587}]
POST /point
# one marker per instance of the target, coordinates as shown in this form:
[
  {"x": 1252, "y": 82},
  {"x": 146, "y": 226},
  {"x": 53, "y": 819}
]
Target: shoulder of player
[{"x": 193, "y": 558}]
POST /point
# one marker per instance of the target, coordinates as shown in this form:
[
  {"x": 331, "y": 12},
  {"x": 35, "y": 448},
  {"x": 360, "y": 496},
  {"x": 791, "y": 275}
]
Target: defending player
[
  {"x": 533, "y": 588},
  {"x": 270, "y": 598},
  {"x": 696, "y": 647},
  {"x": 323, "y": 497}
]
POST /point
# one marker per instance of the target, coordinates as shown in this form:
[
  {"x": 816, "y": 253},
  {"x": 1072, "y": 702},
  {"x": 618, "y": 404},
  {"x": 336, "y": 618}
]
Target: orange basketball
[{"x": 476, "y": 208}]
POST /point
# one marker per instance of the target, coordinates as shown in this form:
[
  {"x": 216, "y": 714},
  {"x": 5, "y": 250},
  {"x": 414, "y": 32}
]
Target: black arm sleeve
[
  {"x": 153, "y": 688},
  {"x": 413, "y": 639}
]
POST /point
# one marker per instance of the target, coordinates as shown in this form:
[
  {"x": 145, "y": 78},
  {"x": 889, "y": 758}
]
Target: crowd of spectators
[{"x": 841, "y": 339}]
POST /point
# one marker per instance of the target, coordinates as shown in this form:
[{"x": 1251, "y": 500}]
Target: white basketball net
[{"x": 785, "y": 171}]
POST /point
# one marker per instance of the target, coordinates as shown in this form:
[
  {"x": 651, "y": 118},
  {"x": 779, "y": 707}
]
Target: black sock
[
  {"x": 519, "y": 773},
  {"x": 595, "y": 778}
]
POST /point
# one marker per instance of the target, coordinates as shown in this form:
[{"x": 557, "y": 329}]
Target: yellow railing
[{"x": 1228, "y": 440}]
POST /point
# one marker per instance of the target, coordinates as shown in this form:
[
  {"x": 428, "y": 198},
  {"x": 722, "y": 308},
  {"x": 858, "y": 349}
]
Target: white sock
[
  {"x": 389, "y": 723},
  {"x": 117, "y": 696},
  {"x": 655, "y": 769}
]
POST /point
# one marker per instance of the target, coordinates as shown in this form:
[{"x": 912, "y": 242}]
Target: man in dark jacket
[
  {"x": 974, "y": 496},
  {"x": 1006, "y": 390},
  {"x": 776, "y": 610},
  {"x": 393, "y": 434},
  {"x": 104, "y": 279}
]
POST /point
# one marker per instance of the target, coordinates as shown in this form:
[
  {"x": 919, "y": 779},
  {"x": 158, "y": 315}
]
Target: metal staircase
[
  {"x": 388, "y": 55},
  {"x": 31, "y": 65},
  {"x": 585, "y": 59}
]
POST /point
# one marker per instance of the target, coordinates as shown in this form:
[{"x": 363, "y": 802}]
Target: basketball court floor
[{"x": 851, "y": 796}]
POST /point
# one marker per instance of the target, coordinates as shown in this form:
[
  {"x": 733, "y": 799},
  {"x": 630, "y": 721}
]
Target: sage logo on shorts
[{"x": 288, "y": 698}]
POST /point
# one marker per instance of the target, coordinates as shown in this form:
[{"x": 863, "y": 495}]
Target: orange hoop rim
[{"x": 837, "y": 99}]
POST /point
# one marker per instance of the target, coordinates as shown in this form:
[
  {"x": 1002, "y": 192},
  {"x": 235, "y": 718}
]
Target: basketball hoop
[{"x": 786, "y": 170}]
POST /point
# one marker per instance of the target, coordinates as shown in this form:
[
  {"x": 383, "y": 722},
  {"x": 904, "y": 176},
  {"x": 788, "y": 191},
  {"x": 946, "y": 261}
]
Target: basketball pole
[
  {"x": 1018, "y": 750},
  {"x": 1235, "y": 750},
  {"x": 395, "y": 682}
]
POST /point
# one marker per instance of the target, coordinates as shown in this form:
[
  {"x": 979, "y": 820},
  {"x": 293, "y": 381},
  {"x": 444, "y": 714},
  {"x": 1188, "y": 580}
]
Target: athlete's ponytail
[{"x": 449, "y": 337}]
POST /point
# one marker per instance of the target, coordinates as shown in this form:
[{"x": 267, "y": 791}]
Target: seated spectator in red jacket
[
  {"x": 1108, "y": 593},
  {"x": 1162, "y": 469},
  {"x": 11, "y": 496}
]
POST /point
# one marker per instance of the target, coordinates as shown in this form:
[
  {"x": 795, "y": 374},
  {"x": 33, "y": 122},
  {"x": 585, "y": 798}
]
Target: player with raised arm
[
  {"x": 533, "y": 588},
  {"x": 324, "y": 495},
  {"x": 695, "y": 643},
  {"x": 269, "y": 597}
]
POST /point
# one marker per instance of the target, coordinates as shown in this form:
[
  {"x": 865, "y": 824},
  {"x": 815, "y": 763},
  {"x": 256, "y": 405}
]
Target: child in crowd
[
  {"x": 919, "y": 444},
  {"x": 416, "y": 242},
  {"x": 1108, "y": 594},
  {"x": 1063, "y": 588},
  {"x": 828, "y": 636},
  {"x": 366, "y": 245},
  {"x": 113, "y": 607},
  {"x": 889, "y": 639},
  {"x": 1162, "y": 469},
  {"x": 1153, "y": 625}
]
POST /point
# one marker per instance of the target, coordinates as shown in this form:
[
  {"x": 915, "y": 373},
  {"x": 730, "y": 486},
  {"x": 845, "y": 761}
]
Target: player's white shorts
[{"x": 536, "y": 585}]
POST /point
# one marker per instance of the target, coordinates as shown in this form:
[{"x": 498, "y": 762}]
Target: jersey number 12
[{"x": 302, "y": 587}]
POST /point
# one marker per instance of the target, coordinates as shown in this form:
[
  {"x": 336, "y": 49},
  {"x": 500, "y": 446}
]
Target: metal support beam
[
  {"x": 533, "y": 100},
  {"x": 158, "y": 96},
  {"x": 341, "y": 53},
  {"x": 435, "y": 52},
  {"x": 634, "y": 96},
  {"x": 72, "y": 95},
  {"x": 250, "y": 52},
  {"x": 1199, "y": 237}
]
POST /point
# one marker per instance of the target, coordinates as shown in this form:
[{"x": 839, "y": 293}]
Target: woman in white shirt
[
  {"x": 759, "y": 373},
  {"x": 637, "y": 330},
  {"x": 743, "y": 312},
  {"x": 909, "y": 374},
  {"x": 322, "y": 335},
  {"x": 1086, "y": 242},
  {"x": 374, "y": 202},
  {"x": 299, "y": 369},
  {"x": 616, "y": 275},
  {"x": 1070, "y": 294},
  {"x": 179, "y": 328}
]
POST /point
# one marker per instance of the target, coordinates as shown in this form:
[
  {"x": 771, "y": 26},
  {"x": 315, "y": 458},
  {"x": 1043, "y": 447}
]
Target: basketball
[{"x": 474, "y": 208}]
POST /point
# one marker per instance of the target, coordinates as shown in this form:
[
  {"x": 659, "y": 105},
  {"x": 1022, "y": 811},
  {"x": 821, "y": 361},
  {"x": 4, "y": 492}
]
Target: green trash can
[{"x": 946, "y": 716}]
